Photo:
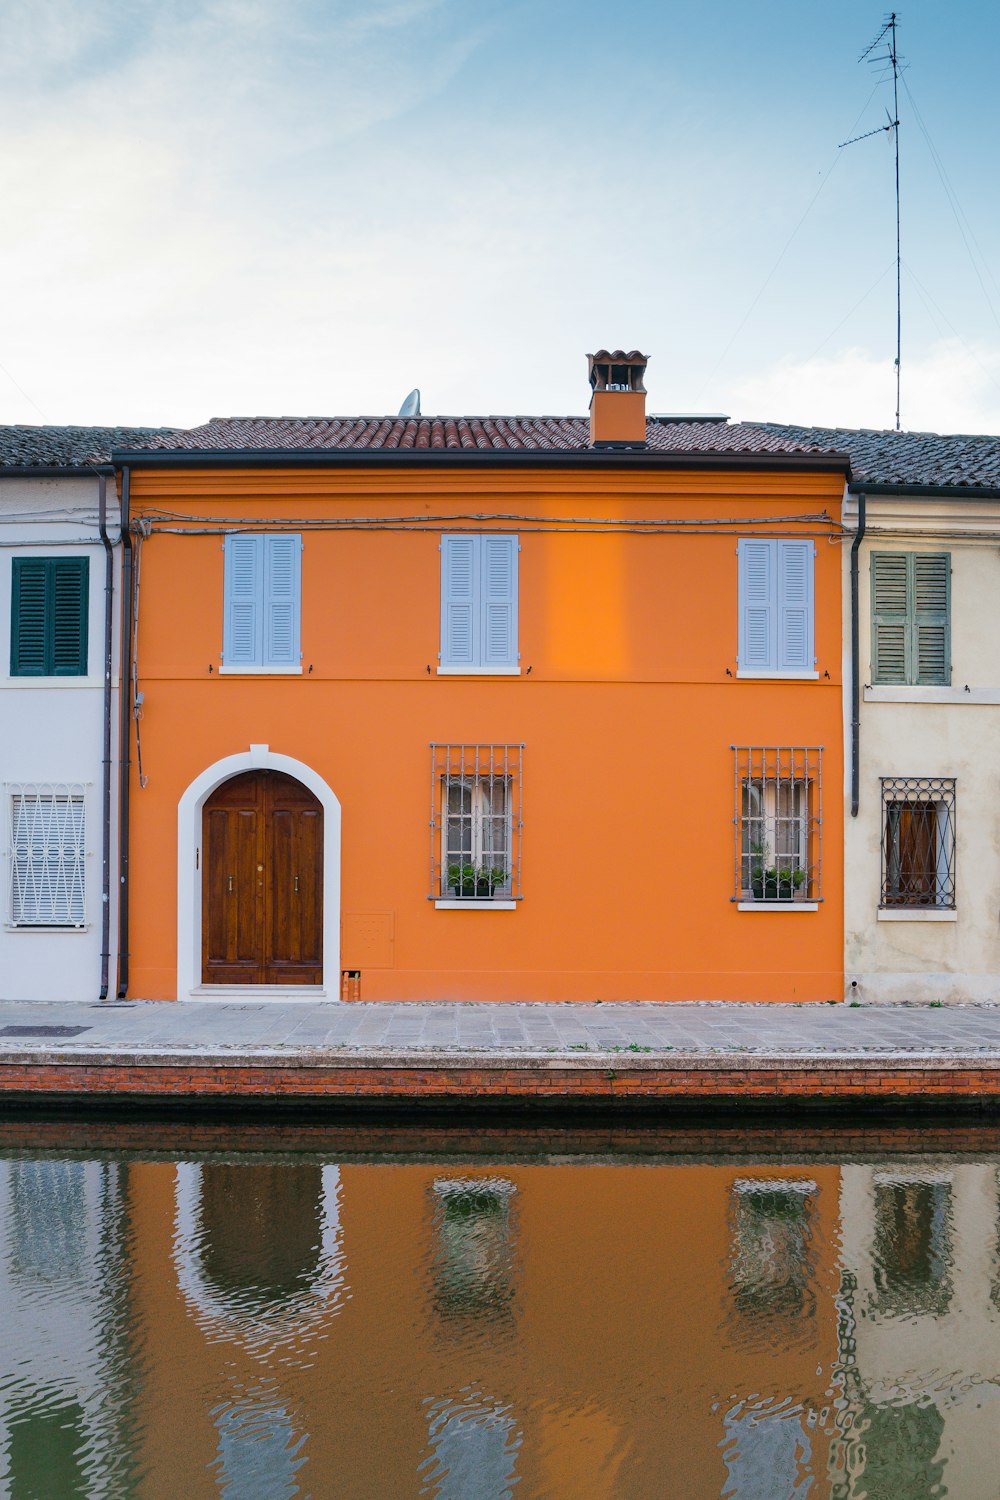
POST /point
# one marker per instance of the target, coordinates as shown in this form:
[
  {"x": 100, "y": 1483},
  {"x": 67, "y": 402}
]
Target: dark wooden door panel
[{"x": 262, "y": 885}]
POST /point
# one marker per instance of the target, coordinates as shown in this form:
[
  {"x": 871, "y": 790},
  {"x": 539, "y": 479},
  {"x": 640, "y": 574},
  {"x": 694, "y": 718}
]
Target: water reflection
[{"x": 261, "y": 1326}]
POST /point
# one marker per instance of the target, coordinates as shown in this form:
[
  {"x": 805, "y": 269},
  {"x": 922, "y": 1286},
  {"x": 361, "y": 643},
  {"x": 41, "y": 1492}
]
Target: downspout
[
  {"x": 125, "y": 744},
  {"x": 856, "y": 664},
  {"x": 109, "y": 582}
]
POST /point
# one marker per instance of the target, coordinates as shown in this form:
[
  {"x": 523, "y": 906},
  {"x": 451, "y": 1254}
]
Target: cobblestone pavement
[{"x": 135, "y": 1028}]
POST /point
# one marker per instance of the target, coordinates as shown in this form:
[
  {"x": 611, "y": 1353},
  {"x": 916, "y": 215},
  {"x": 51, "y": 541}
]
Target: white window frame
[{"x": 72, "y": 916}]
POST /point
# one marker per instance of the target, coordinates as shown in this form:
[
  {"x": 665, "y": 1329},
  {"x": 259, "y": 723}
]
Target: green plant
[
  {"x": 773, "y": 882},
  {"x": 476, "y": 882}
]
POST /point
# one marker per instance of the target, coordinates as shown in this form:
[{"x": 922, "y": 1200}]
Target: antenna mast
[{"x": 889, "y": 30}]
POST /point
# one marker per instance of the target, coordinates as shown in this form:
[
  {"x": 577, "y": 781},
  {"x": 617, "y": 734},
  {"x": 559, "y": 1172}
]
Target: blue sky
[{"x": 236, "y": 206}]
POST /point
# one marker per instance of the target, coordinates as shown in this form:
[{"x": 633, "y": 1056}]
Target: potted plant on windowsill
[
  {"x": 469, "y": 882},
  {"x": 775, "y": 882}
]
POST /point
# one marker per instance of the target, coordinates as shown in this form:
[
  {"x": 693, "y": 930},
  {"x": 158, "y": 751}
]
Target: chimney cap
[{"x": 617, "y": 369}]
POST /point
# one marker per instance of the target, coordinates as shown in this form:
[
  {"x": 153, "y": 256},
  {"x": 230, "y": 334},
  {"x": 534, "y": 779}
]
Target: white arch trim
[{"x": 189, "y": 871}]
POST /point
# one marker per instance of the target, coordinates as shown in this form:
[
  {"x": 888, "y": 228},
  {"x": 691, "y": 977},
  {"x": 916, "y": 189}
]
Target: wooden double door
[{"x": 262, "y": 882}]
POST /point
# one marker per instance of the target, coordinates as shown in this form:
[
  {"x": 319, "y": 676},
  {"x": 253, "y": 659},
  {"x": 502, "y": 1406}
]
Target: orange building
[{"x": 485, "y": 708}]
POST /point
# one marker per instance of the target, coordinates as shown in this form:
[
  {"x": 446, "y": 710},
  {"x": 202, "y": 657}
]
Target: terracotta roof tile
[{"x": 455, "y": 434}]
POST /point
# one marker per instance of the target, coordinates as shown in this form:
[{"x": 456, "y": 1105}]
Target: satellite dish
[{"x": 411, "y": 406}]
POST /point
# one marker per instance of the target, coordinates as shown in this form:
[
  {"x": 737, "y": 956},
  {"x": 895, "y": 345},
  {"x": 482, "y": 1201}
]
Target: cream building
[{"x": 922, "y": 618}]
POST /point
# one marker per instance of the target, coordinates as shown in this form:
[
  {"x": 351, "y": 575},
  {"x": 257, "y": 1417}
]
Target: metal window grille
[
  {"x": 918, "y": 841},
  {"x": 778, "y": 823},
  {"x": 476, "y": 822},
  {"x": 47, "y": 855}
]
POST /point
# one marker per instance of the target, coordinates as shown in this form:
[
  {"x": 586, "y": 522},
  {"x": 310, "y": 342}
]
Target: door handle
[
  {"x": 230, "y": 885},
  {"x": 296, "y": 882}
]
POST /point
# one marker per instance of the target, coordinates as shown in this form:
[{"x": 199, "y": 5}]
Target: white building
[
  {"x": 922, "y": 760},
  {"x": 58, "y": 712}
]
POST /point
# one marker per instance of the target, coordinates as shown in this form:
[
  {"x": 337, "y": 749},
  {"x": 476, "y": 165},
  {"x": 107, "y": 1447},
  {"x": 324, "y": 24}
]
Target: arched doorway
[{"x": 262, "y": 882}]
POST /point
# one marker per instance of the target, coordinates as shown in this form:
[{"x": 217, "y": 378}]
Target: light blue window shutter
[
  {"x": 499, "y": 595},
  {"x": 757, "y": 605},
  {"x": 243, "y": 639},
  {"x": 459, "y": 613},
  {"x": 282, "y": 600},
  {"x": 795, "y": 606}
]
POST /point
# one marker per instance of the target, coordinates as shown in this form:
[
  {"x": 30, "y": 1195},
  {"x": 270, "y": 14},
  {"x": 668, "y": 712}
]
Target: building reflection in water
[
  {"x": 473, "y": 1253},
  {"x": 64, "y": 1430},
  {"x": 260, "y": 1452},
  {"x": 771, "y": 1269},
  {"x": 473, "y": 1449},
  {"x": 567, "y": 1328},
  {"x": 919, "y": 1339},
  {"x": 258, "y": 1249}
]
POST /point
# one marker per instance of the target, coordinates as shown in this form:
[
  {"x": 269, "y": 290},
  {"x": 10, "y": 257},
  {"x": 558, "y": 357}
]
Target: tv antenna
[{"x": 888, "y": 34}]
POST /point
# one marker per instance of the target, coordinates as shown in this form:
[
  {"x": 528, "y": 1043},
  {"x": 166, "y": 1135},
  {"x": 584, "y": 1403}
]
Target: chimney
[{"x": 618, "y": 403}]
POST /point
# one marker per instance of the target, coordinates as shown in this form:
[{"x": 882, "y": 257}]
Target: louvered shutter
[
  {"x": 49, "y": 598},
  {"x": 243, "y": 641},
  {"x": 891, "y": 618},
  {"x": 795, "y": 605},
  {"x": 459, "y": 622},
  {"x": 931, "y": 650},
  {"x": 757, "y": 644},
  {"x": 499, "y": 601},
  {"x": 29, "y": 617},
  {"x": 69, "y": 598},
  {"x": 282, "y": 599}
]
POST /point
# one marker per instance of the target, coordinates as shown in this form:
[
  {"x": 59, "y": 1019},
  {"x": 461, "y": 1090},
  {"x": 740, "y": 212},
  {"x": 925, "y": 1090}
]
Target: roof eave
[
  {"x": 928, "y": 491},
  {"x": 55, "y": 471},
  {"x": 638, "y": 458}
]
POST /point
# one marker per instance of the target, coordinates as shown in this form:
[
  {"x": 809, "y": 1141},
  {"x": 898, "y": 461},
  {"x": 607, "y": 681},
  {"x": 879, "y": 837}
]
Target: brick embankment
[{"x": 513, "y": 1080}]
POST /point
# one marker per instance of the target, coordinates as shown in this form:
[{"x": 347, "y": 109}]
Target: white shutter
[
  {"x": 499, "y": 601},
  {"x": 243, "y": 639},
  {"x": 282, "y": 600},
  {"x": 795, "y": 606},
  {"x": 757, "y": 636},
  {"x": 459, "y": 622}
]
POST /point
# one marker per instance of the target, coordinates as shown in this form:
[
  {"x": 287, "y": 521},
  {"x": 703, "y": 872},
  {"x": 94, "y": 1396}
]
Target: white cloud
[{"x": 950, "y": 387}]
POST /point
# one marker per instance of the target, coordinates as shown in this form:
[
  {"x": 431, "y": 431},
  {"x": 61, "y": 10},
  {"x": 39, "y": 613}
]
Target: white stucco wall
[
  {"x": 917, "y": 731},
  {"x": 51, "y": 730}
]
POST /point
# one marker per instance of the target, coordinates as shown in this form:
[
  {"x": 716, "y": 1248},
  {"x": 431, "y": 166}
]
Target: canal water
[{"x": 263, "y": 1313}]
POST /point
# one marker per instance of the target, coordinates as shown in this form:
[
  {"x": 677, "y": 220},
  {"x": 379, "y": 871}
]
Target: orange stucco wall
[{"x": 627, "y": 716}]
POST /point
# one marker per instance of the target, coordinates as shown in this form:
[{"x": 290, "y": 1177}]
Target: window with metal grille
[
  {"x": 476, "y": 822},
  {"x": 911, "y": 618},
  {"x": 48, "y": 616},
  {"x": 918, "y": 841},
  {"x": 47, "y": 856},
  {"x": 778, "y": 818}
]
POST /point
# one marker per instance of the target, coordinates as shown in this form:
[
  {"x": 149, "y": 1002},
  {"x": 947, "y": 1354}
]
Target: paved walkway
[
  {"x": 151, "y": 1026},
  {"x": 515, "y": 1051}
]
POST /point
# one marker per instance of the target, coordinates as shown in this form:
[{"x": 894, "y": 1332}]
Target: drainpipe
[
  {"x": 109, "y": 582},
  {"x": 856, "y": 664},
  {"x": 125, "y": 744}
]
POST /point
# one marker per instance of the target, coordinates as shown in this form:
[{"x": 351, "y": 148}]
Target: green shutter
[
  {"x": 911, "y": 618},
  {"x": 890, "y": 618},
  {"x": 28, "y": 616},
  {"x": 931, "y": 617},
  {"x": 69, "y": 616},
  {"x": 48, "y": 616}
]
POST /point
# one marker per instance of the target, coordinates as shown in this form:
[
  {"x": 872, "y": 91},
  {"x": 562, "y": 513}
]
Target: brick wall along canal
[{"x": 569, "y": 1318}]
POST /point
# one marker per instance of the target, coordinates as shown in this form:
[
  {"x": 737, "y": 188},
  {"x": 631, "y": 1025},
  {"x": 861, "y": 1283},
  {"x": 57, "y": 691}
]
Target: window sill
[
  {"x": 49, "y": 929},
  {"x": 455, "y": 905},
  {"x": 914, "y": 693},
  {"x": 777, "y": 906},
  {"x": 272, "y": 671},
  {"x": 917, "y": 914},
  {"x": 64, "y": 680},
  {"x": 479, "y": 671},
  {"x": 777, "y": 676}
]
